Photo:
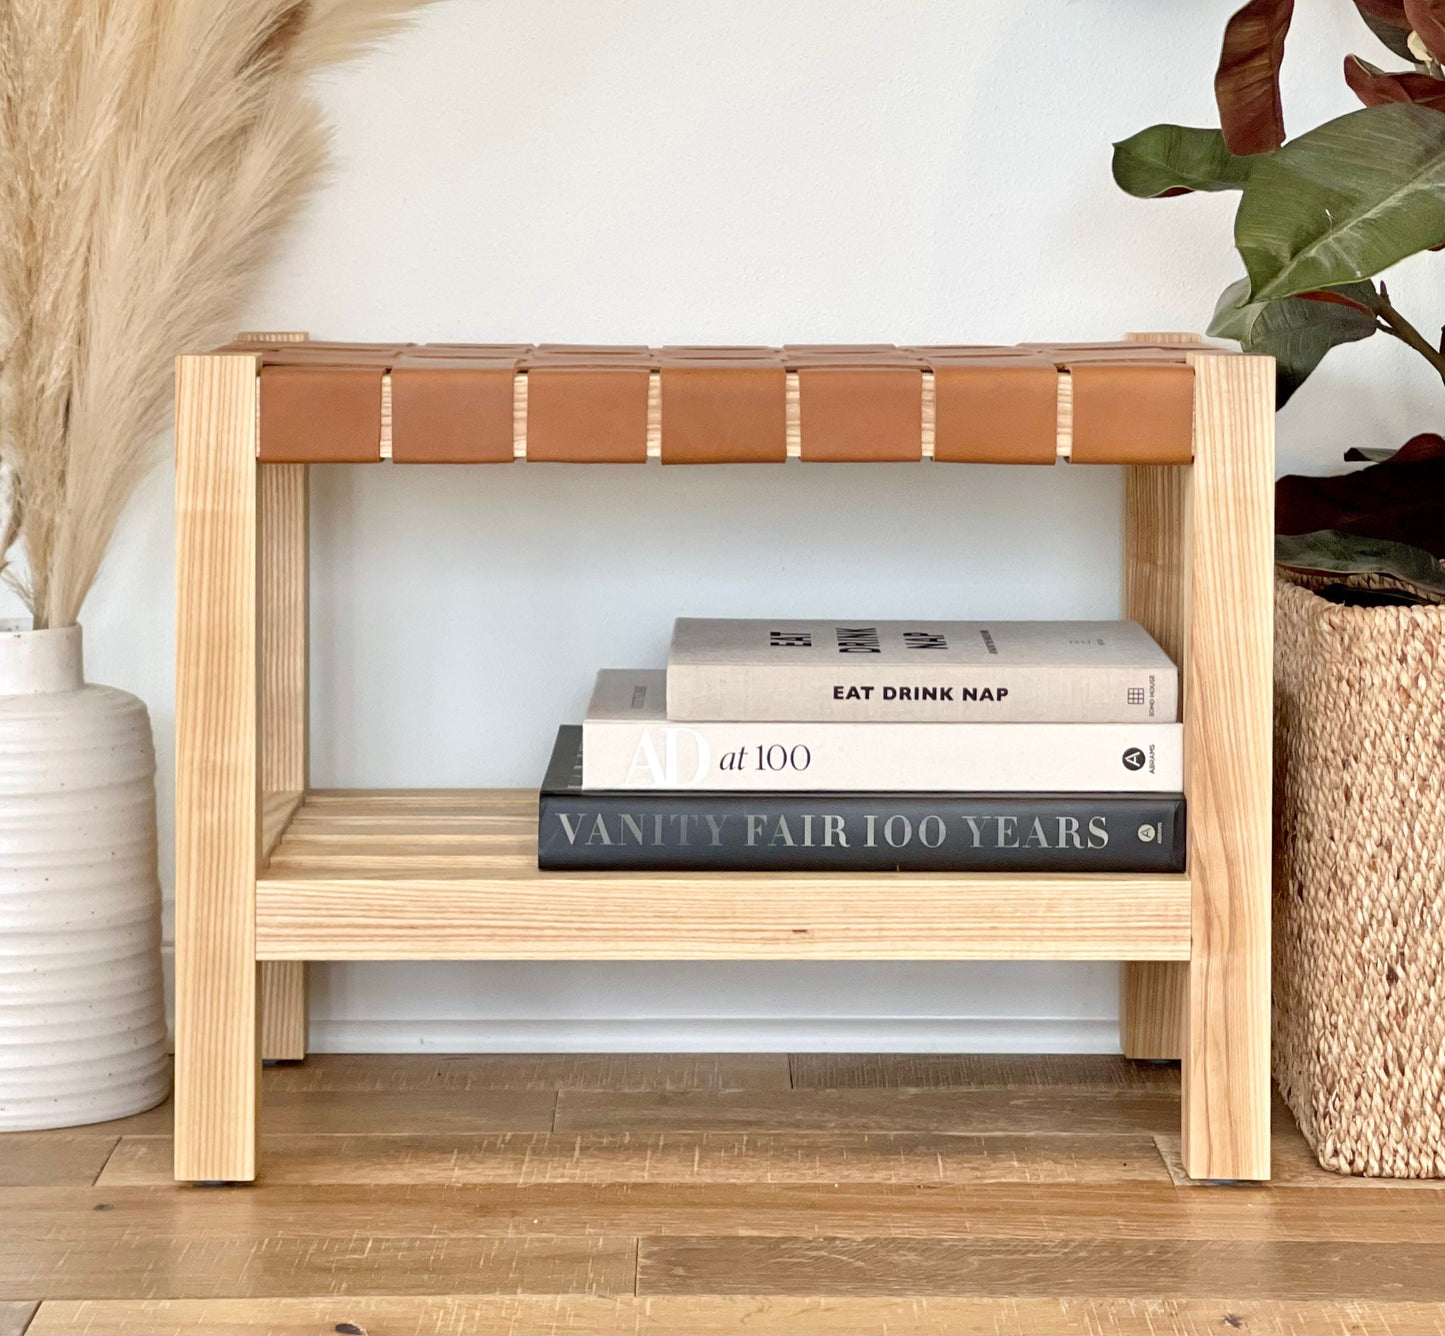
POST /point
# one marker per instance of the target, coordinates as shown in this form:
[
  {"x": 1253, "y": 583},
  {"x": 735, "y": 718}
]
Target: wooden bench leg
[
  {"x": 282, "y": 505},
  {"x": 1153, "y": 1005},
  {"x": 1153, "y": 994},
  {"x": 283, "y": 1010},
  {"x": 1228, "y": 718},
  {"x": 217, "y": 830}
]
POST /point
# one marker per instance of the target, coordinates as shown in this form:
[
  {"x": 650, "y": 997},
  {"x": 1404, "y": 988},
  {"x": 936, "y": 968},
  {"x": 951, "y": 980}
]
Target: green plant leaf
[
  {"x": 1246, "y": 84},
  {"x": 1344, "y": 201},
  {"x": 1296, "y": 331},
  {"x": 1233, "y": 312},
  {"x": 1175, "y": 159},
  {"x": 1330, "y": 552}
]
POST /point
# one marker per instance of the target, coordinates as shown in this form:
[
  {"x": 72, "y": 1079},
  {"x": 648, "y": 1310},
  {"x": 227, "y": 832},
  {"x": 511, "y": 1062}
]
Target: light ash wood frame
[{"x": 1198, "y": 544}]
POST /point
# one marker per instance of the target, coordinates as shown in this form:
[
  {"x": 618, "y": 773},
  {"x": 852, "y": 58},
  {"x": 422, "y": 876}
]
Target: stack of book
[{"x": 915, "y": 746}]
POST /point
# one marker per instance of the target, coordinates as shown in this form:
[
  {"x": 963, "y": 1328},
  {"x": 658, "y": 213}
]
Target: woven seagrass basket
[{"x": 1359, "y": 881}]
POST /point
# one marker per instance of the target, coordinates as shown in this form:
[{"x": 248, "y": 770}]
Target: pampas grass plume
[{"x": 151, "y": 151}]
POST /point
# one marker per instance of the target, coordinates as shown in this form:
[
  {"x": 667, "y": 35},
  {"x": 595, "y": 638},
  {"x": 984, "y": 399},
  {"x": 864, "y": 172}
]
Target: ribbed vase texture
[{"x": 82, "y": 1009}]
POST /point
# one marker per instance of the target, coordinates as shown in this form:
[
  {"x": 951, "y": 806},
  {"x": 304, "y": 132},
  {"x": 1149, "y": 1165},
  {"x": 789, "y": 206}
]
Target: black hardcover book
[{"x": 692, "y": 831}]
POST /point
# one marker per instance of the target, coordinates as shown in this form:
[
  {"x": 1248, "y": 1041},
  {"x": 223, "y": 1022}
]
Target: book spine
[
  {"x": 942, "y": 758},
  {"x": 854, "y": 832},
  {"x": 856, "y": 693}
]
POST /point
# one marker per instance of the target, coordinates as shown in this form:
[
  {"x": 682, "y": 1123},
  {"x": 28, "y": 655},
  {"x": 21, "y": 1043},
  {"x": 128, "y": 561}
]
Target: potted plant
[
  {"x": 1359, "y": 896},
  {"x": 149, "y": 154}
]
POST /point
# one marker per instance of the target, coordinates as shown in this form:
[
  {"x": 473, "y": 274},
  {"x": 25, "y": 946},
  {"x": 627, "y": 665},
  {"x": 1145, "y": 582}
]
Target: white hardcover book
[
  {"x": 935, "y": 672},
  {"x": 629, "y": 743}
]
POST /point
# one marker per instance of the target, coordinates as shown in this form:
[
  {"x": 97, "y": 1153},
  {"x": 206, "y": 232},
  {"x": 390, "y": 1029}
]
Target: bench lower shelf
[{"x": 370, "y": 874}]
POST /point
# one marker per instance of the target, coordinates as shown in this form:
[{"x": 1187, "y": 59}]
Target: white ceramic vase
[{"x": 82, "y": 1005}]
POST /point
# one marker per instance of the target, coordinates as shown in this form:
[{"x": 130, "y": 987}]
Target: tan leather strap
[
  {"x": 330, "y": 354},
  {"x": 467, "y": 351},
  {"x": 600, "y": 354},
  {"x": 1071, "y": 354},
  {"x": 719, "y": 352},
  {"x": 728, "y": 410},
  {"x": 994, "y": 408},
  {"x": 1132, "y": 413},
  {"x": 320, "y": 414},
  {"x": 860, "y": 411},
  {"x": 796, "y": 354},
  {"x": 448, "y": 410},
  {"x": 582, "y": 412}
]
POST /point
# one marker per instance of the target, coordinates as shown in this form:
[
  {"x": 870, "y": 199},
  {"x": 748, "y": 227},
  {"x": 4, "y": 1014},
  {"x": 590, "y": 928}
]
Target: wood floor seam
[{"x": 104, "y": 1164}]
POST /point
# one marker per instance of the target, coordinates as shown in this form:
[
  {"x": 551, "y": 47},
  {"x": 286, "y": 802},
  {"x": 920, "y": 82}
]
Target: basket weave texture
[{"x": 1359, "y": 881}]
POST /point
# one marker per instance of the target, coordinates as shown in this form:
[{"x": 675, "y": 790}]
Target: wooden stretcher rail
[{"x": 1123, "y": 403}]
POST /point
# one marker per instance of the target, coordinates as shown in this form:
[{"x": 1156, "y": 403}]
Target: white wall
[{"x": 727, "y": 172}]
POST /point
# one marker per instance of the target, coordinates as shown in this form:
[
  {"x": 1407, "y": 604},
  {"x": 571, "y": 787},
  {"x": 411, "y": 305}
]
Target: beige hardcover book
[
  {"x": 920, "y": 671},
  {"x": 629, "y": 743}
]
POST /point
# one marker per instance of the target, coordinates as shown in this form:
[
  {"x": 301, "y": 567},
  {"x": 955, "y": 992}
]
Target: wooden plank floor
[{"x": 751, "y": 1194}]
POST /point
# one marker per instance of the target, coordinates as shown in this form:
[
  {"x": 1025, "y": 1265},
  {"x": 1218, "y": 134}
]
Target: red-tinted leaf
[
  {"x": 1325, "y": 295},
  {"x": 1375, "y": 86},
  {"x": 1246, "y": 85},
  {"x": 1427, "y": 445},
  {"x": 1400, "y": 500},
  {"x": 1427, "y": 18},
  {"x": 1386, "y": 19},
  {"x": 1387, "y": 11}
]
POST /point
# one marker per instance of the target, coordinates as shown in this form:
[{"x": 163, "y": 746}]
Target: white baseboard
[{"x": 797, "y": 1034}]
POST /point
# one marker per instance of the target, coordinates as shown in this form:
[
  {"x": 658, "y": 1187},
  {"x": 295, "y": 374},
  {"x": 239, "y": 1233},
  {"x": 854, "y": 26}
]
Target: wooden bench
[{"x": 271, "y": 874}]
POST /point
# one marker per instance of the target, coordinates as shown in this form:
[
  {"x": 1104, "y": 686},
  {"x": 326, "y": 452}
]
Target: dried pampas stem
[{"x": 149, "y": 156}]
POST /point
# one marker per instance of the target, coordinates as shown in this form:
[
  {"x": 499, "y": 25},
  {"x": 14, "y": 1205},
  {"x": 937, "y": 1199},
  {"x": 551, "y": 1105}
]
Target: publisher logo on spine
[{"x": 1134, "y": 758}]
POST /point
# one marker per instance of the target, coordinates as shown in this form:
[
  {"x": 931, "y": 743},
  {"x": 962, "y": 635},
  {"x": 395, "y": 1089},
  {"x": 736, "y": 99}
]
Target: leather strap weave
[{"x": 1131, "y": 403}]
